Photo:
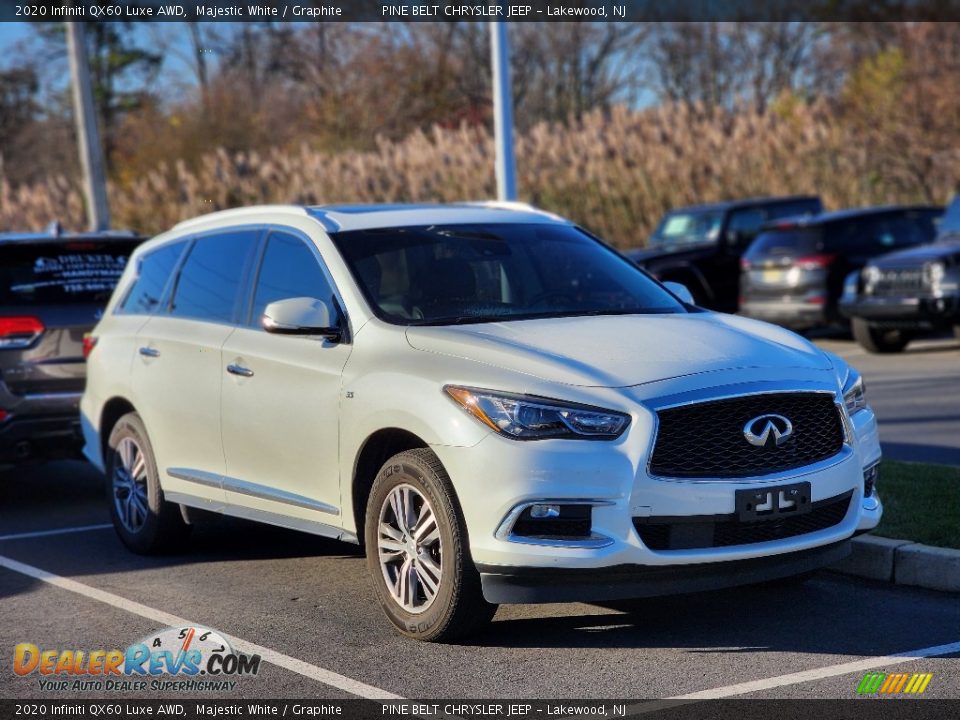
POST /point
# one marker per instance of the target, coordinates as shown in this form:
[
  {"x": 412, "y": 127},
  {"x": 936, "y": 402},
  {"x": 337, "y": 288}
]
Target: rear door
[
  {"x": 51, "y": 294},
  {"x": 177, "y": 367}
]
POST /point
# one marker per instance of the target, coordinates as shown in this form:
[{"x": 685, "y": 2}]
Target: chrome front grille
[
  {"x": 899, "y": 282},
  {"x": 706, "y": 440}
]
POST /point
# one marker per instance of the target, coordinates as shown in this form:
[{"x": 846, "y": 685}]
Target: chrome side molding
[
  {"x": 308, "y": 526},
  {"x": 242, "y": 487}
]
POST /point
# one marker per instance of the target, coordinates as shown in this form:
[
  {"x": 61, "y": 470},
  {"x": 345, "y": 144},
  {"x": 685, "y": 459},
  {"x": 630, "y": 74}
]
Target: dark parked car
[
  {"x": 53, "y": 288},
  {"x": 908, "y": 293},
  {"x": 793, "y": 273},
  {"x": 701, "y": 246}
]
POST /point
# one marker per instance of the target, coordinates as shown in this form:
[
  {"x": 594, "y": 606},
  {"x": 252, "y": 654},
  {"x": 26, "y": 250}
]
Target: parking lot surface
[
  {"x": 916, "y": 395},
  {"x": 305, "y": 603}
]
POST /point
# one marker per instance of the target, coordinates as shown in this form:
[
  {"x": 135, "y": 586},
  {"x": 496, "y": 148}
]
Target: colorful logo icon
[
  {"x": 185, "y": 652},
  {"x": 894, "y": 683}
]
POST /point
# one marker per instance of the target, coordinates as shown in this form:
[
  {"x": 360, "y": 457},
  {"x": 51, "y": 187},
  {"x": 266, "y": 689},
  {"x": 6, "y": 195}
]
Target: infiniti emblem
[{"x": 759, "y": 430}]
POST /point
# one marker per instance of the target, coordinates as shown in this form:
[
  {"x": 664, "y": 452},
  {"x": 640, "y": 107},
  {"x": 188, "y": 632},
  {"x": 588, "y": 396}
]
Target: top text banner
[{"x": 438, "y": 11}]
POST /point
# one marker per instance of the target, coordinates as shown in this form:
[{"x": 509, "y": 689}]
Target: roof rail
[
  {"x": 238, "y": 212},
  {"x": 322, "y": 215},
  {"x": 513, "y": 205}
]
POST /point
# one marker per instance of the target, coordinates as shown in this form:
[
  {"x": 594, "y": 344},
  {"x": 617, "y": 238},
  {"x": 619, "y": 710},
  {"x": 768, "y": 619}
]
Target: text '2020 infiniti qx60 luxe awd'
[{"x": 501, "y": 408}]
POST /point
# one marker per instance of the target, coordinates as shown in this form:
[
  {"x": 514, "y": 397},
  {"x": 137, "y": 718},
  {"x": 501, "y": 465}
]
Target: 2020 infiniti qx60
[{"x": 499, "y": 406}]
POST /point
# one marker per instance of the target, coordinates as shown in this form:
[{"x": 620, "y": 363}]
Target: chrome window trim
[
  {"x": 705, "y": 395},
  {"x": 596, "y": 540}
]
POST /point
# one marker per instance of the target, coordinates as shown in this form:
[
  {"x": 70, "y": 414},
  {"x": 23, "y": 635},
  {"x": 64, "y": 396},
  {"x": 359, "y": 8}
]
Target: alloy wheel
[
  {"x": 130, "y": 485},
  {"x": 409, "y": 545}
]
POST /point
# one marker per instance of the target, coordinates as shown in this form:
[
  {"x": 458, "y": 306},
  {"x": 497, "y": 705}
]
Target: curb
[{"x": 902, "y": 562}]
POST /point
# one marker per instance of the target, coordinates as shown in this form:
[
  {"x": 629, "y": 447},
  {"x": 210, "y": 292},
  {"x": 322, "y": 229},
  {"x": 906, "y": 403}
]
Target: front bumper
[
  {"x": 929, "y": 312},
  {"x": 550, "y": 585},
  {"x": 496, "y": 476}
]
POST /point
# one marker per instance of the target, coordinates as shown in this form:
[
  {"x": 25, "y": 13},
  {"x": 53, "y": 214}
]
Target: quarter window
[
  {"x": 146, "y": 292},
  {"x": 289, "y": 269},
  {"x": 209, "y": 282}
]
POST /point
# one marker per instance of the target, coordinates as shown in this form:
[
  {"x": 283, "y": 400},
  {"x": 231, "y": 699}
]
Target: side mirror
[
  {"x": 301, "y": 316},
  {"x": 681, "y": 291}
]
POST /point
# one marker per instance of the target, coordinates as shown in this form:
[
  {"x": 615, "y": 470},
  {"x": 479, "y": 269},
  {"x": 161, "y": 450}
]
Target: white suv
[{"x": 498, "y": 405}]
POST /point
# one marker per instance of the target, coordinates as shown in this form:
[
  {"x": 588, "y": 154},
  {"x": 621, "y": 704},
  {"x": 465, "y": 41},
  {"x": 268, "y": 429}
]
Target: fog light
[
  {"x": 557, "y": 521},
  {"x": 870, "y": 477}
]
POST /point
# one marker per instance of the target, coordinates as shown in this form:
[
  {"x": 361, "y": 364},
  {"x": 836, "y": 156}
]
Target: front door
[{"x": 280, "y": 397}]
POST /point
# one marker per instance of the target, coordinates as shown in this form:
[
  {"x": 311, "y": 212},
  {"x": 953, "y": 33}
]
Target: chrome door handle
[
  {"x": 149, "y": 352},
  {"x": 238, "y": 370}
]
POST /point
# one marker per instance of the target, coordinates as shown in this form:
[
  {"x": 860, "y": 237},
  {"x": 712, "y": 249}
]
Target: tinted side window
[
  {"x": 147, "y": 290},
  {"x": 289, "y": 269},
  {"x": 745, "y": 223},
  {"x": 794, "y": 207},
  {"x": 869, "y": 236},
  {"x": 950, "y": 225},
  {"x": 209, "y": 281}
]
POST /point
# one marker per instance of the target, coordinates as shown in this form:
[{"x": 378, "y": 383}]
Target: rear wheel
[
  {"x": 876, "y": 339},
  {"x": 417, "y": 551},
  {"x": 145, "y": 522}
]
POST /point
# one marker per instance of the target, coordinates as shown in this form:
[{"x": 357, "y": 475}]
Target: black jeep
[
  {"x": 53, "y": 288},
  {"x": 700, "y": 246},
  {"x": 908, "y": 293}
]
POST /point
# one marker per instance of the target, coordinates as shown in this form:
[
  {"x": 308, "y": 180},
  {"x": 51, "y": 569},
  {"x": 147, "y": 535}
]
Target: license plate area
[{"x": 771, "y": 503}]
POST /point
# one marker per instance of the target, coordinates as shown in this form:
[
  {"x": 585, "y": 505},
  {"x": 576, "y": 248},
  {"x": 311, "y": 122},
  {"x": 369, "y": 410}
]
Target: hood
[
  {"x": 622, "y": 350},
  {"x": 919, "y": 255}
]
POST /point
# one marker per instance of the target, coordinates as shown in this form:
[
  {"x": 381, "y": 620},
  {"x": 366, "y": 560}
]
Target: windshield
[
  {"x": 63, "y": 272},
  {"x": 950, "y": 224},
  {"x": 683, "y": 227},
  {"x": 441, "y": 275}
]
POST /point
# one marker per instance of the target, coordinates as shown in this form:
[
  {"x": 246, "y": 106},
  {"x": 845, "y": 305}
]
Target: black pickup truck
[
  {"x": 701, "y": 245},
  {"x": 53, "y": 288},
  {"x": 905, "y": 294}
]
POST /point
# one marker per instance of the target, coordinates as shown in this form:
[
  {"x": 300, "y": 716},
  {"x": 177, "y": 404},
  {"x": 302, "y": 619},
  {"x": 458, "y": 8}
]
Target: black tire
[
  {"x": 161, "y": 527},
  {"x": 877, "y": 340},
  {"x": 457, "y": 608}
]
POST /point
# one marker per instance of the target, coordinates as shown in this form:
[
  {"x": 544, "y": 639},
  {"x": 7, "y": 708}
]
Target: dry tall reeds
[{"x": 614, "y": 173}]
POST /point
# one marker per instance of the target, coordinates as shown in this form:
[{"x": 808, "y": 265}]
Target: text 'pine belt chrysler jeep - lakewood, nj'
[{"x": 501, "y": 408}]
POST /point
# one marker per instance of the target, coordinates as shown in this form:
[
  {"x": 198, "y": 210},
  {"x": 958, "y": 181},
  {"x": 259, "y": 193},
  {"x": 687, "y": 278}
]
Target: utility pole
[
  {"x": 88, "y": 137},
  {"x": 506, "y": 163}
]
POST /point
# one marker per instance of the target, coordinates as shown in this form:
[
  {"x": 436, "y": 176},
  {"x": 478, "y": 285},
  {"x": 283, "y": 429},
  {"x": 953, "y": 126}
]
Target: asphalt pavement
[
  {"x": 306, "y": 604},
  {"x": 916, "y": 395}
]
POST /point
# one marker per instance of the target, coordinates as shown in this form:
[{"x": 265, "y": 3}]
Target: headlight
[
  {"x": 522, "y": 417},
  {"x": 854, "y": 393},
  {"x": 933, "y": 275}
]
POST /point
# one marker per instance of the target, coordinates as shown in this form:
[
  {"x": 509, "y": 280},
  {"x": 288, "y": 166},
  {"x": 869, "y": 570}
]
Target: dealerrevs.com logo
[{"x": 186, "y": 659}]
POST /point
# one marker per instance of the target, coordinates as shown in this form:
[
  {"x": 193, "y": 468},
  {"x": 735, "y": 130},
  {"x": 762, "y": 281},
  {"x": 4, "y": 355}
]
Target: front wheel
[
  {"x": 876, "y": 339},
  {"x": 417, "y": 551}
]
